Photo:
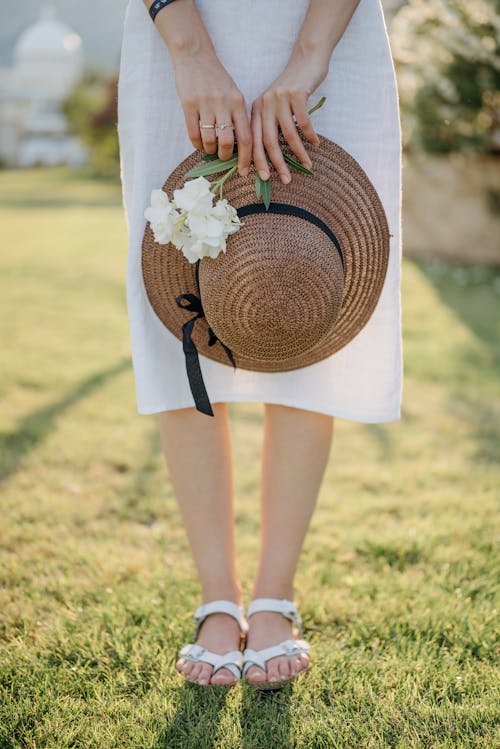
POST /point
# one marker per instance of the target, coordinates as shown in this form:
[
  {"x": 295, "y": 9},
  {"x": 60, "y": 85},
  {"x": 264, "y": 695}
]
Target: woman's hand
[
  {"x": 206, "y": 90},
  {"x": 284, "y": 100},
  {"x": 208, "y": 93}
]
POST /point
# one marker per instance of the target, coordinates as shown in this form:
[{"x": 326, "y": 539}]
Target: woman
[{"x": 253, "y": 66}]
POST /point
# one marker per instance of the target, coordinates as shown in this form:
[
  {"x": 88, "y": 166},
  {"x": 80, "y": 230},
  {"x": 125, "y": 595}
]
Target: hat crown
[{"x": 277, "y": 292}]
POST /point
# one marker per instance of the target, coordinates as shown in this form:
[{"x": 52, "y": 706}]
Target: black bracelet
[{"x": 157, "y": 6}]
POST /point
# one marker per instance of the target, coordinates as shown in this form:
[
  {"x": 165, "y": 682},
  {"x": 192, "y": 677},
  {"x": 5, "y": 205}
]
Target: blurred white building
[{"x": 47, "y": 62}]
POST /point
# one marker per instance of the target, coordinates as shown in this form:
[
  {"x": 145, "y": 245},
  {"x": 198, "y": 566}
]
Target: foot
[
  {"x": 220, "y": 633},
  {"x": 267, "y": 628}
]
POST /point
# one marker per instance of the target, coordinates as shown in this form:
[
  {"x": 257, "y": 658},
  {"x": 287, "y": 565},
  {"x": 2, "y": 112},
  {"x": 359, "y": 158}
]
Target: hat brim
[{"x": 340, "y": 193}]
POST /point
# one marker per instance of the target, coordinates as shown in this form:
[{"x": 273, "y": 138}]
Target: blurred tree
[
  {"x": 91, "y": 110},
  {"x": 448, "y": 66}
]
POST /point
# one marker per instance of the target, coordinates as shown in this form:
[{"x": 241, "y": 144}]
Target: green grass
[{"x": 398, "y": 579}]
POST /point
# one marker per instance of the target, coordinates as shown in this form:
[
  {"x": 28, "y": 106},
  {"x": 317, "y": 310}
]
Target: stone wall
[{"x": 451, "y": 208}]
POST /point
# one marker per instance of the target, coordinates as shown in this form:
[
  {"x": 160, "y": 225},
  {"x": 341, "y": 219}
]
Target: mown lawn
[{"x": 398, "y": 580}]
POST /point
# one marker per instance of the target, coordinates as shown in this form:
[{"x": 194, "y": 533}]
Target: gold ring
[{"x": 205, "y": 125}]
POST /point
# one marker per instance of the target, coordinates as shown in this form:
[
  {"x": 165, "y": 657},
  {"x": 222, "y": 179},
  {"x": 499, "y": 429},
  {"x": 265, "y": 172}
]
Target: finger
[
  {"x": 225, "y": 136},
  {"x": 271, "y": 144},
  {"x": 208, "y": 135},
  {"x": 192, "y": 118},
  {"x": 303, "y": 119},
  {"x": 258, "y": 153},
  {"x": 291, "y": 135},
  {"x": 243, "y": 136}
]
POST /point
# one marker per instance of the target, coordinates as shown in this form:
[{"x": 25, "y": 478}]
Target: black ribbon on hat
[
  {"x": 193, "y": 368},
  {"x": 194, "y": 304}
]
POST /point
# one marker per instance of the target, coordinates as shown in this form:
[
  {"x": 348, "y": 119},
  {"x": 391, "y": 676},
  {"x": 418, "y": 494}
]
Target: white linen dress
[{"x": 253, "y": 39}]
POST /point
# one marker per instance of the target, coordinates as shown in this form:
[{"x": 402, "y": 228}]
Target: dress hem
[{"x": 375, "y": 418}]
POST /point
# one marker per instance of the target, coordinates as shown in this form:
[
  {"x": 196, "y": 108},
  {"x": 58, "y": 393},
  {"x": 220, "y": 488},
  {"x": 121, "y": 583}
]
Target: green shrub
[
  {"x": 446, "y": 57},
  {"x": 91, "y": 109}
]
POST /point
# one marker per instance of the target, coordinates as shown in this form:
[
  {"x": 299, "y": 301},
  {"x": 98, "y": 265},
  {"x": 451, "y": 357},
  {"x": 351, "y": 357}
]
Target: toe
[
  {"x": 195, "y": 671},
  {"x": 223, "y": 676},
  {"x": 180, "y": 663},
  {"x": 205, "y": 673},
  {"x": 295, "y": 666},
  {"x": 284, "y": 668},
  {"x": 273, "y": 669},
  {"x": 304, "y": 660},
  {"x": 256, "y": 674},
  {"x": 195, "y": 674}
]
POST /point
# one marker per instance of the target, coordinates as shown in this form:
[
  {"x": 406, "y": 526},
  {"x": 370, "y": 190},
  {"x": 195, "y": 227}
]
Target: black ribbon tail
[
  {"x": 212, "y": 339},
  {"x": 193, "y": 369}
]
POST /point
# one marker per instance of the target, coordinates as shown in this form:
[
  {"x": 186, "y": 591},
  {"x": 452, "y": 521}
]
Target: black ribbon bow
[{"x": 193, "y": 368}]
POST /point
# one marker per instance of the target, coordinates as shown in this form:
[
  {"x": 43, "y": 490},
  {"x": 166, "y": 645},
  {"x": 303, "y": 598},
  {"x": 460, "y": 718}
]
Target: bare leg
[
  {"x": 197, "y": 450},
  {"x": 295, "y": 454}
]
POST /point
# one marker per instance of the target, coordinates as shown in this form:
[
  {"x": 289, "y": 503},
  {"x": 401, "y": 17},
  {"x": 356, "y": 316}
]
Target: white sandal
[
  {"x": 291, "y": 646},
  {"x": 231, "y": 660}
]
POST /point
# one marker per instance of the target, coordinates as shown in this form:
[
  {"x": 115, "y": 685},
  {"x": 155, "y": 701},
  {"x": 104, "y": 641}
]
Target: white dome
[{"x": 47, "y": 41}]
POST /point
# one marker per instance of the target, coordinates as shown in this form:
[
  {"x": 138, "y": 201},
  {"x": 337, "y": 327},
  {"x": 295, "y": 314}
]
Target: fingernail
[
  {"x": 244, "y": 171},
  {"x": 285, "y": 178},
  {"x": 263, "y": 174}
]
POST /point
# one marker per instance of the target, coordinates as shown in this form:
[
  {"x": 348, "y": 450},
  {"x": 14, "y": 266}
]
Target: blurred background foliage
[
  {"x": 448, "y": 67},
  {"x": 91, "y": 110}
]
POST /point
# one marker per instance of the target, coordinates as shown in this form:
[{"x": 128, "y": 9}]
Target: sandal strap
[
  {"x": 220, "y": 606},
  {"x": 231, "y": 660},
  {"x": 281, "y": 605},
  {"x": 259, "y": 657}
]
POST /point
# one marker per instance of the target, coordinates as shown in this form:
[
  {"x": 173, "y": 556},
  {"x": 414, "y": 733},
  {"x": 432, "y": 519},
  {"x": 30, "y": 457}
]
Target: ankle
[
  {"x": 230, "y": 591},
  {"x": 273, "y": 590}
]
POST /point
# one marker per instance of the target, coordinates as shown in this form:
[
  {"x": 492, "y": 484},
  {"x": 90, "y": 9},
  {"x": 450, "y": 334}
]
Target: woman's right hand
[{"x": 208, "y": 94}]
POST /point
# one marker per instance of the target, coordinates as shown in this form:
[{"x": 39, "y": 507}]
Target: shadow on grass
[
  {"x": 264, "y": 718},
  {"x": 473, "y": 295},
  {"x": 138, "y": 501},
  {"x": 34, "y": 427},
  {"x": 196, "y": 719}
]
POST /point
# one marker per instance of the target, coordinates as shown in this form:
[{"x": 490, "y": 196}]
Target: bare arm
[
  {"x": 206, "y": 90},
  {"x": 322, "y": 28}
]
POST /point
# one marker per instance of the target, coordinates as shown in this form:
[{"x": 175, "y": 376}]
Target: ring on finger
[{"x": 223, "y": 125}]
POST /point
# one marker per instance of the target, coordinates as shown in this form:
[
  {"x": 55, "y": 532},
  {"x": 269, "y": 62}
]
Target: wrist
[
  {"x": 186, "y": 47},
  {"x": 311, "y": 50},
  {"x": 182, "y": 29}
]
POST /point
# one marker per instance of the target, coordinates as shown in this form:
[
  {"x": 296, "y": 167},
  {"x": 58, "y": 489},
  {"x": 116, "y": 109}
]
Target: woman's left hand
[{"x": 284, "y": 100}]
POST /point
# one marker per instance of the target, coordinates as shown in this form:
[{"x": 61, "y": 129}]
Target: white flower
[
  {"x": 205, "y": 225},
  {"x": 194, "y": 249},
  {"x": 195, "y": 196},
  {"x": 228, "y": 215},
  {"x": 162, "y": 216},
  {"x": 197, "y": 228}
]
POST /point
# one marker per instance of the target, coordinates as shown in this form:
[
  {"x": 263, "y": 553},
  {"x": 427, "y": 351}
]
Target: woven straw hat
[{"x": 297, "y": 281}]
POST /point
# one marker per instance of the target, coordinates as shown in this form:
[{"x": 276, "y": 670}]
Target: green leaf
[
  {"x": 266, "y": 191},
  {"x": 257, "y": 184},
  {"x": 318, "y": 105},
  {"x": 296, "y": 164},
  {"x": 217, "y": 165},
  {"x": 209, "y": 156}
]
